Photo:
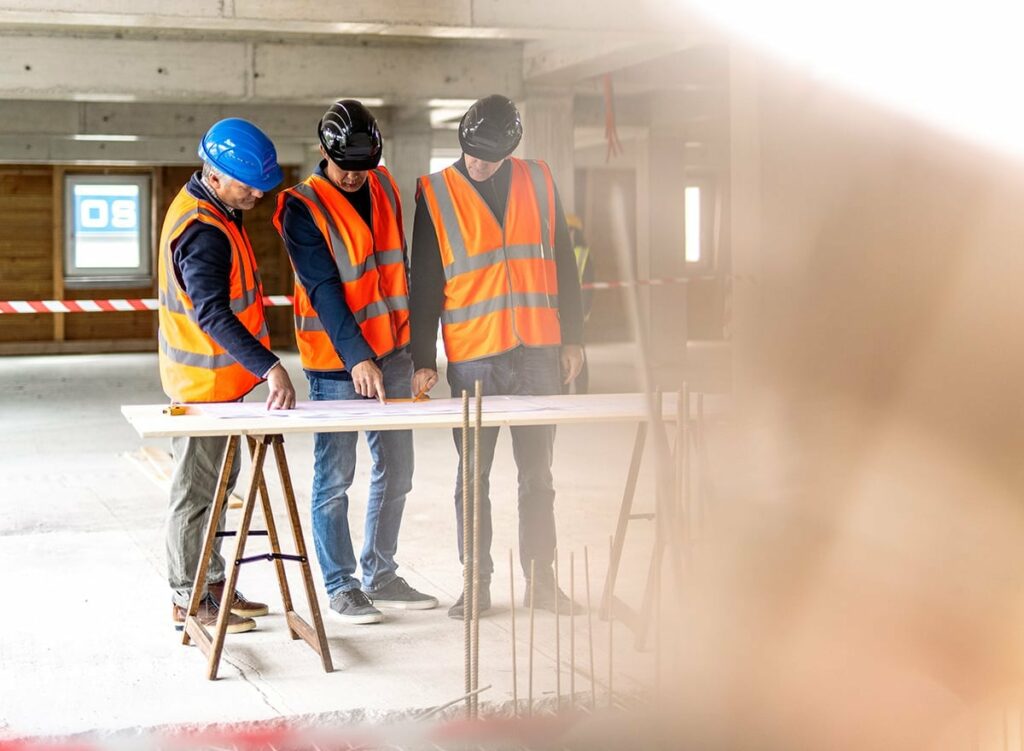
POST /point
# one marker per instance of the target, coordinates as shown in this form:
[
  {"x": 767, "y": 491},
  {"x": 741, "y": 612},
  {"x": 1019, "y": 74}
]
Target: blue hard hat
[{"x": 242, "y": 151}]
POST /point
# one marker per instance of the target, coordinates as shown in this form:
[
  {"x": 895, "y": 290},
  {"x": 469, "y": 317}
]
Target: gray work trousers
[{"x": 197, "y": 463}]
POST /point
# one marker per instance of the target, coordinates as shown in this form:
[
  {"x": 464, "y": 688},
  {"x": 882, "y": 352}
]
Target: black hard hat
[
  {"x": 491, "y": 128},
  {"x": 350, "y": 136}
]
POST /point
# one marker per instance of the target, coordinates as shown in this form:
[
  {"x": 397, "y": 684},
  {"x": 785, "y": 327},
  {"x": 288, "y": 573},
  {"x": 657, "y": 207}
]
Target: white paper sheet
[{"x": 363, "y": 408}]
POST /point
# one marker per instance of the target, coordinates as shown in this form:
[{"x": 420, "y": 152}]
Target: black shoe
[
  {"x": 398, "y": 594},
  {"x": 354, "y": 606},
  {"x": 483, "y": 599},
  {"x": 546, "y": 594}
]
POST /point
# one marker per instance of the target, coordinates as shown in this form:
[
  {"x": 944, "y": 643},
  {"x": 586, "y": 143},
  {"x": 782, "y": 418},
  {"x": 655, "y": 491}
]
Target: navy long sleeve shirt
[
  {"x": 202, "y": 263},
  {"x": 427, "y": 281},
  {"x": 316, "y": 269}
]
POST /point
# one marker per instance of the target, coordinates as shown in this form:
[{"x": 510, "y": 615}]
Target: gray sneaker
[
  {"x": 398, "y": 594},
  {"x": 458, "y": 610},
  {"x": 354, "y": 606},
  {"x": 546, "y": 593}
]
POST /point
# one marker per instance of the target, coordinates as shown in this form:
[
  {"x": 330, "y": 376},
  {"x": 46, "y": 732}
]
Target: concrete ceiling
[{"x": 155, "y": 74}]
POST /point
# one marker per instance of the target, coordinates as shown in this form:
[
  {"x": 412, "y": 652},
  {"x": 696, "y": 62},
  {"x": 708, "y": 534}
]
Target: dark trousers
[{"x": 521, "y": 371}]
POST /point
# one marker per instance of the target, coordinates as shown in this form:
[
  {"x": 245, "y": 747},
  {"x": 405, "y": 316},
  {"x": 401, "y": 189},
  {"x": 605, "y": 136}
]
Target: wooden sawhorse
[
  {"x": 212, "y": 646},
  {"x": 675, "y": 515}
]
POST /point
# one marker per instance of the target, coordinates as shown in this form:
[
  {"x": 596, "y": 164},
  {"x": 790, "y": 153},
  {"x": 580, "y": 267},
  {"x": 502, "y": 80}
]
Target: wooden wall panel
[
  {"x": 26, "y": 266},
  {"x": 28, "y": 263},
  {"x": 131, "y": 325}
]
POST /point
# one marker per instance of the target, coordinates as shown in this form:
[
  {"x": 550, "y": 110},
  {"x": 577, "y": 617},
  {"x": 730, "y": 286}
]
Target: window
[
  {"x": 693, "y": 249},
  {"x": 107, "y": 230},
  {"x": 699, "y": 223}
]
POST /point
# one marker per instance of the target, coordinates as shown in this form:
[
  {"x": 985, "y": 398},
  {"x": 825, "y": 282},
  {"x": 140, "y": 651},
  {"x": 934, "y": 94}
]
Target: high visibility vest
[
  {"x": 501, "y": 282},
  {"x": 370, "y": 261},
  {"x": 582, "y": 253},
  {"x": 193, "y": 367}
]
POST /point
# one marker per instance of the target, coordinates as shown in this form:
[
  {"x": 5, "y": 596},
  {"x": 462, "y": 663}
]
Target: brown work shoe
[
  {"x": 240, "y": 605},
  {"x": 207, "y": 616}
]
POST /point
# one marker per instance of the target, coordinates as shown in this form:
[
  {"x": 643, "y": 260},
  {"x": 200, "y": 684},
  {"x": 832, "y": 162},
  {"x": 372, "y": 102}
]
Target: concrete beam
[
  {"x": 41, "y": 131},
  {"x": 399, "y": 73},
  {"x": 696, "y": 67},
  {"x": 297, "y": 122},
  {"x": 526, "y": 19},
  {"x": 645, "y": 16},
  {"x": 552, "y": 63},
  {"x": 630, "y": 110},
  {"x": 46, "y": 67},
  {"x": 106, "y": 69},
  {"x": 147, "y": 151},
  {"x": 446, "y": 139},
  {"x": 161, "y": 120}
]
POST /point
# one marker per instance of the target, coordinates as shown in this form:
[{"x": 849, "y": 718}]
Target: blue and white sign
[{"x": 106, "y": 226}]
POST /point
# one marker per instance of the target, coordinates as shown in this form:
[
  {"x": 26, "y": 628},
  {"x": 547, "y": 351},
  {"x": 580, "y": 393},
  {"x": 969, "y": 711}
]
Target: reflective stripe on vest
[
  {"x": 193, "y": 367},
  {"x": 195, "y": 360},
  {"x": 371, "y": 264},
  {"x": 582, "y": 253},
  {"x": 497, "y": 296},
  {"x": 313, "y": 323},
  {"x": 482, "y": 308}
]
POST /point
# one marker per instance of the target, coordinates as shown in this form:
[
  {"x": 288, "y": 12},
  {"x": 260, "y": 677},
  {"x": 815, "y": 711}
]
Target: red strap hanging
[{"x": 611, "y": 135}]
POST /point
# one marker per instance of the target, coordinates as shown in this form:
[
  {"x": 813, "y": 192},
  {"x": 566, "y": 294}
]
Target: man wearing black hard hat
[
  {"x": 343, "y": 229},
  {"x": 493, "y": 261}
]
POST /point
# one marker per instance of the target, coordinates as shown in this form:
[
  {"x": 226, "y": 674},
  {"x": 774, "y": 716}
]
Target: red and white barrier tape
[
  {"x": 104, "y": 306},
  {"x": 75, "y": 306},
  {"x": 270, "y": 301},
  {"x": 642, "y": 282}
]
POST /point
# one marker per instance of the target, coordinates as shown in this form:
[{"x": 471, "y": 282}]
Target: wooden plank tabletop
[{"x": 252, "y": 418}]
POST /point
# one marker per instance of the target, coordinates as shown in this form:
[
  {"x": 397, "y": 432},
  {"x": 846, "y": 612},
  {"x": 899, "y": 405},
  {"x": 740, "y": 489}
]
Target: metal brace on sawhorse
[{"x": 213, "y": 646}]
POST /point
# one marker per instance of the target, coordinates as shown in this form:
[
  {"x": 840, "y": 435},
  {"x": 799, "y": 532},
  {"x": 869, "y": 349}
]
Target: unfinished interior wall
[
  {"x": 32, "y": 262},
  {"x": 873, "y": 509},
  {"x": 26, "y": 247}
]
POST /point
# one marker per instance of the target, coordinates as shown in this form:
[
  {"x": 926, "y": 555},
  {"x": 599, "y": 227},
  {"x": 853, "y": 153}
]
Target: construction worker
[
  {"x": 508, "y": 298},
  {"x": 343, "y": 229},
  {"x": 585, "y": 272},
  {"x": 213, "y": 342}
]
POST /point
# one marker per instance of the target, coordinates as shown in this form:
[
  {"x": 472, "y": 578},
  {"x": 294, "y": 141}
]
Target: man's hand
[
  {"x": 368, "y": 380},
  {"x": 423, "y": 380},
  {"x": 282, "y": 393},
  {"x": 572, "y": 362}
]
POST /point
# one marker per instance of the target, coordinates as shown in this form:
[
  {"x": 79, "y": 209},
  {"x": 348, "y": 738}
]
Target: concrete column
[
  {"x": 661, "y": 180},
  {"x": 744, "y": 223},
  {"x": 548, "y": 134},
  {"x": 407, "y": 148},
  {"x": 310, "y": 159}
]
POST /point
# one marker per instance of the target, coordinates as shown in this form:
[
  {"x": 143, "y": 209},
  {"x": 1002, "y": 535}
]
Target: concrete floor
[{"x": 86, "y": 642}]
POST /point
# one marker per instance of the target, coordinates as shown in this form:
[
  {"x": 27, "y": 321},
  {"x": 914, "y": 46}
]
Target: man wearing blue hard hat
[{"x": 213, "y": 342}]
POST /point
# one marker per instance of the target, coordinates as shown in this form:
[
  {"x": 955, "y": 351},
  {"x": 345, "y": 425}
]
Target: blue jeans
[
  {"x": 521, "y": 371},
  {"x": 334, "y": 462}
]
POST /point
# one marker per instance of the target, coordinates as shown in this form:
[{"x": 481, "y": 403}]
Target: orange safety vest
[
  {"x": 193, "y": 367},
  {"x": 501, "y": 282},
  {"x": 370, "y": 261}
]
